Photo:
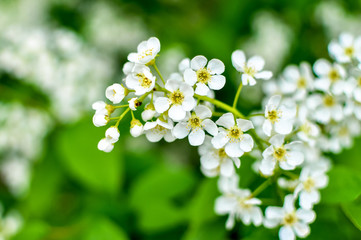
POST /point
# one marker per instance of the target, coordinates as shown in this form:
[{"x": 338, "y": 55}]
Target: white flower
[
  {"x": 325, "y": 108},
  {"x": 100, "y": 107},
  {"x": 112, "y": 134},
  {"x": 251, "y": 69},
  {"x": 147, "y": 51},
  {"x": 297, "y": 80},
  {"x": 155, "y": 131},
  {"x": 141, "y": 80},
  {"x": 105, "y": 145},
  {"x": 115, "y": 93},
  {"x": 184, "y": 64},
  {"x": 195, "y": 123},
  {"x": 100, "y": 119},
  {"x": 346, "y": 49},
  {"x": 216, "y": 161},
  {"x": 204, "y": 77},
  {"x": 136, "y": 128},
  {"x": 331, "y": 77},
  {"x": 134, "y": 103},
  {"x": 149, "y": 112},
  {"x": 10, "y": 224},
  {"x": 278, "y": 117},
  {"x": 308, "y": 132},
  {"x": 239, "y": 204},
  {"x": 233, "y": 139},
  {"x": 179, "y": 101},
  {"x": 293, "y": 222},
  {"x": 287, "y": 156},
  {"x": 311, "y": 180}
]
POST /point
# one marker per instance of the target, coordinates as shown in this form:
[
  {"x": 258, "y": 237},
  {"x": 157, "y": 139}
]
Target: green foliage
[
  {"x": 104, "y": 229},
  {"x": 99, "y": 171}
]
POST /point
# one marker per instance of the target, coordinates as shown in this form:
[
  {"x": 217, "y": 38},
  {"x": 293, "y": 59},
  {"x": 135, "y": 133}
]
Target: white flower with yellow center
[
  {"x": 116, "y": 93},
  {"x": 161, "y": 128},
  {"x": 331, "y": 77},
  {"x": 251, "y": 69},
  {"x": 204, "y": 77},
  {"x": 193, "y": 124},
  {"x": 287, "y": 156},
  {"x": 215, "y": 161},
  {"x": 239, "y": 204},
  {"x": 232, "y": 136},
  {"x": 147, "y": 51},
  {"x": 325, "y": 108},
  {"x": 308, "y": 132},
  {"x": 136, "y": 128},
  {"x": 278, "y": 117},
  {"x": 134, "y": 103},
  {"x": 346, "y": 48},
  {"x": 179, "y": 100},
  {"x": 297, "y": 80},
  {"x": 311, "y": 180},
  {"x": 293, "y": 222},
  {"x": 141, "y": 80}
]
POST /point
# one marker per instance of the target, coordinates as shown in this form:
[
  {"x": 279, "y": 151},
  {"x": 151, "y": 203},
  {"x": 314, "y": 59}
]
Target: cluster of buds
[{"x": 304, "y": 117}]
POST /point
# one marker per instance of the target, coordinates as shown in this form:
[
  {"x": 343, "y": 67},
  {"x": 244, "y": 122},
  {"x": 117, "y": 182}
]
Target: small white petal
[
  {"x": 245, "y": 125},
  {"x": 238, "y": 59},
  {"x": 190, "y": 76},
  {"x": 180, "y": 130},
  {"x": 286, "y": 233},
  {"x": 233, "y": 149},
  {"x": 201, "y": 89},
  {"x": 226, "y": 120},
  {"x": 217, "y": 82},
  {"x": 198, "y": 62},
  {"x": 161, "y": 104},
  {"x": 215, "y": 66},
  {"x": 176, "y": 112},
  {"x": 247, "y": 143},
  {"x": 210, "y": 127},
  {"x": 196, "y": 137},
  {"x": 256, "y": 62},
  {"x": 220, "y": 140}
]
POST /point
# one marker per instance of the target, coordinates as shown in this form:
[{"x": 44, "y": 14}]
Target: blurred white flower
[{"x": 147, "y": 51}]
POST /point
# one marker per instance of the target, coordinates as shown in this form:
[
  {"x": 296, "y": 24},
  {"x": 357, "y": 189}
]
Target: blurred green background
[{"x": 54, "y": 175}]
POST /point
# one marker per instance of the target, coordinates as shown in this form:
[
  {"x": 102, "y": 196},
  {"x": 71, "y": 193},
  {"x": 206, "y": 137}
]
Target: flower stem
[
  {"x": 122, "y": 116},
  {"x": 262, "y": 187},
  {"x": 237, "y": 95},
  {"x": 159, "y": 74},
  {"x": 121, "y": 106},
  {"x": 220, "y": 104}
]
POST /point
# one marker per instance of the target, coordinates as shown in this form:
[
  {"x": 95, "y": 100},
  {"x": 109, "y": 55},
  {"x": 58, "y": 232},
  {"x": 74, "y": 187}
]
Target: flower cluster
[{"x": 304, "y": 116}]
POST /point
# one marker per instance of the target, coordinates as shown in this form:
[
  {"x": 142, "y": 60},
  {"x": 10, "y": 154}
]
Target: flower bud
[
  {"x": 105, "y": 145},
  {"x": 100, "y": 119},
  {"x": 112, "y": 134},
  {"x": 136, "y": 128},
  {"x": 149, "y": 112},
  {"x": 116, "y": 93}
]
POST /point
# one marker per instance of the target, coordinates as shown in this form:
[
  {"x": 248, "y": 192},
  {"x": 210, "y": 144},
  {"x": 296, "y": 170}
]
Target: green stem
[
  {"x": 262, "y": 187},
  {"x": 255, "y": 115},
  {"x": 122, "y": 116},
  {"x": 159, "y": 74},
  {"x": 121, "y": 106},
  {"x": 220, "y": 104},
  {"x": 237, "y": 95}
]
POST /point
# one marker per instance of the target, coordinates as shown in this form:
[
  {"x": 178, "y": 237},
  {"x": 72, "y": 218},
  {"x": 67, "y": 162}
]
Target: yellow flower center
[
  {"x": 147, "y": 52},
  {"x": 309, "y": 184},
  {"x": 280, "y": 153},
  {"x": 344, "y": 132},
  {"x": 222, "y": 153},
  {"x": 349, "y": 51},
  {"x": 160, "y": 129},
  {"x": 329, "y": 101},
  {"x": 301, "y": 82},
  {"x": 249, "y": 71},
  {"x": 274, "y": 116},
  {"x": 333, "y": 75},
  {"x": 176, "y": 97},
  {"x": 235, "y": 133},
  {"x": 241, "y": 202},
  {"x": 203, "y": 75},
  {"x": 144, "y": 81},
  {"x": 290, "y": 219},
  {"x": 195, "y": 122}
]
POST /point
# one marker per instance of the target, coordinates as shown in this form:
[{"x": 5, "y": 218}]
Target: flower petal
[
  {"x": 226, "y": 120},
  {"x": 198, "y": 62},
  {"x": 215, "y": 66},
  {"x": 190, "y": 76},
  {"x": 180, "y": 130},
  {"x": 210, "y": 127},
  {"x": 217, "y": 82},
  {"x": 176, "y": 113},
  {"x": 196, "y": 137},
  {"x": 247, "y": 143},
  {"x": 233, "y": 149}
]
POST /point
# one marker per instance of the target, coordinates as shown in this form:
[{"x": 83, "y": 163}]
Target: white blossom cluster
[{"x": 304, "y": 116}]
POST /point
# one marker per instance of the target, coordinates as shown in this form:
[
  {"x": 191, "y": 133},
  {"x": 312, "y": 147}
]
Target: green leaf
[
  {"x": 33, "y": 230},
  {"x": 344, "y": 186},
  {"x": 104, "y": 229},
  {"x": 353, "y": 212},
  {"x": 159, "y": 197},
  {"x": 94, "y": 169}
]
